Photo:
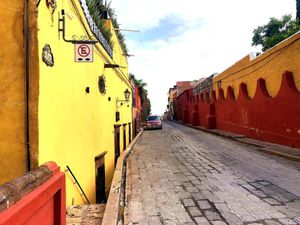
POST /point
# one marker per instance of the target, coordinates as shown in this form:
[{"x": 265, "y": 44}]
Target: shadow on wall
[{"x": 265, "y": 118}]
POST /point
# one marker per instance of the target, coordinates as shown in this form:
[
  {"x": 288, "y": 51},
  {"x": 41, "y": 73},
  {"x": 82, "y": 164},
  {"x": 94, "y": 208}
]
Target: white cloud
[{"x": 214, "y": 35}]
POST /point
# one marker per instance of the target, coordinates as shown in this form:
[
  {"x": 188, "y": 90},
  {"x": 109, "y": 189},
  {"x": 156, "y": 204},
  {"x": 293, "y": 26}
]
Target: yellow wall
[
  {"x": 269, "y": 65},
  {"x": 74, "y": 126}
]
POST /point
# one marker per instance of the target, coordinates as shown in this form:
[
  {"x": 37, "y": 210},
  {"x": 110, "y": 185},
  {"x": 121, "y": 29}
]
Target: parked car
[{"x": 153, "y": 122}]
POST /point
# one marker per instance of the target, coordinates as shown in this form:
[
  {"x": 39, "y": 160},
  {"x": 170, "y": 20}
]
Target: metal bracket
[
  {"x": 121, "y": 101},
  {"x": 62, "y": 29}
]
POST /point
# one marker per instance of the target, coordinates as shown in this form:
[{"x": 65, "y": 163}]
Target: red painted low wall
[
  {"x": 45, "y": 205},
  {"x": 265, "y": 118}
]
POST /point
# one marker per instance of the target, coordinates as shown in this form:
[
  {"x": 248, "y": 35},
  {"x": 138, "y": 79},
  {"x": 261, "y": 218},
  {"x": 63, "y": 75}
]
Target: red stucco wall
[{"x": 273, "y": 119}]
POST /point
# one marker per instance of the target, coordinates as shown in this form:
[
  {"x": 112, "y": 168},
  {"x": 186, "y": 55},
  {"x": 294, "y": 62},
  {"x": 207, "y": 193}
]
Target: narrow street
[{"x": 179, "y": 175}]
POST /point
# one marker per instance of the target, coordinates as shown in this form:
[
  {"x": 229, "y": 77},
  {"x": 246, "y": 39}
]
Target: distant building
[
  {"x": 182, "y": 86},
  {"x": 175, "y": 91}
]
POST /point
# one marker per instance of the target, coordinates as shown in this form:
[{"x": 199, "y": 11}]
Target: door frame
[
  {"x": 117, "y": 149},
  {"x": 100, "y": 163}
]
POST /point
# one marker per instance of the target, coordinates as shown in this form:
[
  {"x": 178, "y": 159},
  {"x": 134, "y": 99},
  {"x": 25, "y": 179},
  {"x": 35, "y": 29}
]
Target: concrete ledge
[{"x": 114, "y": 211}]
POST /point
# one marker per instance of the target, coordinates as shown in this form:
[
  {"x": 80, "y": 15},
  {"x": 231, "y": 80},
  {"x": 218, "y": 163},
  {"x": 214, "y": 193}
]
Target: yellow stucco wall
[
  {"x": 12, "y": 138},
  {"x": 75, "y": 126},
  {"x": 269, "y": 65}
]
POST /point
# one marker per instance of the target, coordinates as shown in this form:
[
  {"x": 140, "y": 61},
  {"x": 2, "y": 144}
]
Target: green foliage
[
  {"x": 149, "y": 107},
  {"x": 275, "y": 31},
  {"x": 144, "y": 96},
  {"x": 141, "y": 85},
  {"x": 98, "y": 9}
]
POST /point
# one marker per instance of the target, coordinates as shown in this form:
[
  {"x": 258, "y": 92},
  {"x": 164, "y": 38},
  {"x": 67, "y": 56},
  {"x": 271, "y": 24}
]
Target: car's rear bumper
[{"x": 149, "y": 127}]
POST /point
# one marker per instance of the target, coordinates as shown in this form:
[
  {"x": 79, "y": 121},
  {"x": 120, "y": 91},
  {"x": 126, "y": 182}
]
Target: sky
[{"x": 187, "y": 40}]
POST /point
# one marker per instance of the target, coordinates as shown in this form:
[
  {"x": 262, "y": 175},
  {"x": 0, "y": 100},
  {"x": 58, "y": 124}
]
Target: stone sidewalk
[
  {"x": 271, "y": 148},
  {"x": 184, "y": 176}
]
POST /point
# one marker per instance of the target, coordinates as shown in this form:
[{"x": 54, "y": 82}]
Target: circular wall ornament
[
  {"x": 47, "y": 55},
  {"x": 101, "y": 84}
]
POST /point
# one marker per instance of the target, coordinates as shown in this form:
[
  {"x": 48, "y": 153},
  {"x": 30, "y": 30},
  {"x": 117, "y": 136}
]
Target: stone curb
[
  {"x": 239, "y": 138},
  {"x": 114, "y": 211},
  {"x": 280, "y": 154}
]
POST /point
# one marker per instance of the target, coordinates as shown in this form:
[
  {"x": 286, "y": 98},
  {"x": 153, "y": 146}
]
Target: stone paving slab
[
  {"x": 85, "y": 214},
  {"x": 179, "y": 175}
]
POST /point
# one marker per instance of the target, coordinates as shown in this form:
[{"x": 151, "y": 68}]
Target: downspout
[{"x": 26, "y": 84}]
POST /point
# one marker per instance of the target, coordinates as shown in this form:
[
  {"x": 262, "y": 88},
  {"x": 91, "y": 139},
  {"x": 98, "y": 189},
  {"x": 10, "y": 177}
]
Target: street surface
[{"x": 180, "y": 175}]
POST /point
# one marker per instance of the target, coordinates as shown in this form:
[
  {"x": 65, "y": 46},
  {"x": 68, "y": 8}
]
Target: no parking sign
[{"x": 84, "y": 53}]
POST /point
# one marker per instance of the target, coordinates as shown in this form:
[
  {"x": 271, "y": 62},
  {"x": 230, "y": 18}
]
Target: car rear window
[{"x": 153, "y": 118}]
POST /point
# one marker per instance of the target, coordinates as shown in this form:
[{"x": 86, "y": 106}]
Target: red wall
[
  {"x": 45, "y": 205},
  {"x": 195, "y": 109},
  {"x": 265, "y": 118}
]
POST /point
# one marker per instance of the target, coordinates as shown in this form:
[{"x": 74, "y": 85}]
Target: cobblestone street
[{"x": 179, "y": 175}]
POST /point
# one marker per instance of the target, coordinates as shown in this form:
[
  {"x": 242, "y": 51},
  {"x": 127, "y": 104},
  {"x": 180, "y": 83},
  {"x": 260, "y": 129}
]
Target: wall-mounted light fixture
[{"x": 126, "y": 95}]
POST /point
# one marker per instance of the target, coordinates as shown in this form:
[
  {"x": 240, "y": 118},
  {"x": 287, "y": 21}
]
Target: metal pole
[
  {"x": 26, "y": 85},
  {"x": 76, "y": 182}
]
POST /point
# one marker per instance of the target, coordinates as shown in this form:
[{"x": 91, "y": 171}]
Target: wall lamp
[{"x": 126, "y": 95}]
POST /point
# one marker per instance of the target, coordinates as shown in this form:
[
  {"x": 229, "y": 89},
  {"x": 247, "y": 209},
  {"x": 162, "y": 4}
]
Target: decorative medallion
[
  {"x": 101, "y": 84},
  {"x": 47, "y": 55}
]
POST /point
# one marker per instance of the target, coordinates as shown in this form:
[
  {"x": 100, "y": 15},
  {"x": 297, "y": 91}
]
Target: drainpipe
[{"x": 26, "y": 84}]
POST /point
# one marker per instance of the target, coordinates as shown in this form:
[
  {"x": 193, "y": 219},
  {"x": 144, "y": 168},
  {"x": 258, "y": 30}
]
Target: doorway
[
  {"x": 124, "y": 136},
  {"x": 135, "y": 128},
  {"x": 100, "y": 178},
  {"x": 129, "y": 132},
  {"x": 117, "y": 143}
]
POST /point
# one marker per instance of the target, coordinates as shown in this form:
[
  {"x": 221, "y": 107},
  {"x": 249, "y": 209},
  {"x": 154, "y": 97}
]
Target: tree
[
  {"x": 149, "y": 106},
  {"x": 145, "y": 101},
  {"x": 275, "y": 31},
  {"x": 141, "y": 85}
]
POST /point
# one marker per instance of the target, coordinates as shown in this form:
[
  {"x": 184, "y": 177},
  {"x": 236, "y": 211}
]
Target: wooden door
[
  {"x": 124, "y": 136},
  {"x": 117, "y": 143},
  {"x": 129, "y": 132}
]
